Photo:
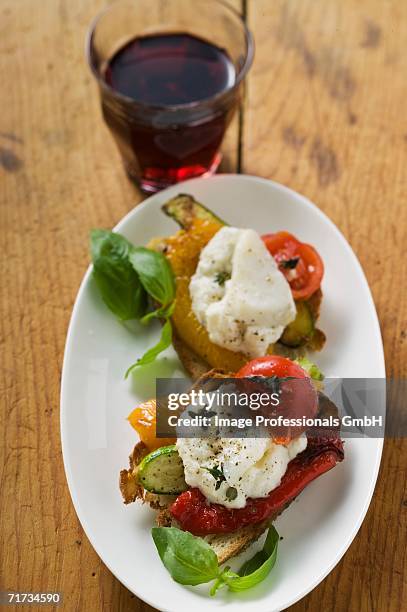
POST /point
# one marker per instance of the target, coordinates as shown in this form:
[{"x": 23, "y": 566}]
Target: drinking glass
[{"x": 162, "y": 144}]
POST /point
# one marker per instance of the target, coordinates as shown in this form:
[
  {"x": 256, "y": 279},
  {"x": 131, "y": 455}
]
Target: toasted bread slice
[
  {"x": 128, "y": 482},
  {"x": 228, "y": 545},
  {"x": 194, "y": 348},
  {"x": 225, "y": 546}
]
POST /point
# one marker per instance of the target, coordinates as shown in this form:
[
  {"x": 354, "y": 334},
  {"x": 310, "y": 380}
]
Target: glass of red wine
[{"x": 170, "y": 75}]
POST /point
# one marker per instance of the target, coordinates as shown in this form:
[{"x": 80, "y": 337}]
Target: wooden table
[{"x": 325, "y": 113}]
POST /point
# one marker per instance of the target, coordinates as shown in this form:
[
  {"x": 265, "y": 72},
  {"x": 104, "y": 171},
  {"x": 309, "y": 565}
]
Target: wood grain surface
[{"x": 325, "y": 113}]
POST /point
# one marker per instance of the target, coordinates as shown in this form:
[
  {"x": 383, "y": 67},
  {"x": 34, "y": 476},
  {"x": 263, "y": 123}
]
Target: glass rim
[{"x": 172, "y": 107}]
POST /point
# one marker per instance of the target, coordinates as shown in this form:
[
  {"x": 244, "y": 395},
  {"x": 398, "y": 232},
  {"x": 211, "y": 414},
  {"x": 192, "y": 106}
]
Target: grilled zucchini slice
[
  {"x": 162, "y": 472},
  {"x": 301, "y": 329},
  {"x": 184, "y": 209}
]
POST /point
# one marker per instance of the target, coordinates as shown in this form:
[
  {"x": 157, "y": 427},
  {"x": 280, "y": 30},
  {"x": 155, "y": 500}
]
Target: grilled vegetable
[
  {"x": 162, "y": 472},
  {"x": 144, "y": 420},
  {"x": 184, "y": 209},
  {"x": 299, "y": 262},
  {"x": 301, "y": 329}
]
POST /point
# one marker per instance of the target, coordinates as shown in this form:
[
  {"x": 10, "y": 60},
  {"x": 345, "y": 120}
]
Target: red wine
[
  {"x": 161, "y": 146},
  {"x": 170, "y": 69}
]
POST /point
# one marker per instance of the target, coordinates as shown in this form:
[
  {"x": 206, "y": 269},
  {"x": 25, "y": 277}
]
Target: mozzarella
[
  {"x": 238, "y": 293},
  {"x": 252, "y": 466}
]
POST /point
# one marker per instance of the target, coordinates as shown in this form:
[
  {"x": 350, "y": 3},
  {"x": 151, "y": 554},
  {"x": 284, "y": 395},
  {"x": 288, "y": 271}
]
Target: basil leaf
[
  {"x": 151, "y": 354},
  {"x": 105, "y": 242},
  {"x": 116, "y": 279},
  {"x": 256, "y": 569},
  {"x": 189, "y": 559},
  {"x": 155, "y": 274}
]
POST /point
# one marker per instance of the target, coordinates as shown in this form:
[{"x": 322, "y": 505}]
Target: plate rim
[{"x": 86, "y": 526}]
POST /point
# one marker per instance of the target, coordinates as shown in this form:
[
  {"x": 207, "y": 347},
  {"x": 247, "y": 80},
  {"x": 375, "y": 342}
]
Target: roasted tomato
[
  {"x": 298, "y": 396},
  {"x": 143, "y": 419},
  {"x": 299, "y": 262},
  {"x": 272, "y": 365}
]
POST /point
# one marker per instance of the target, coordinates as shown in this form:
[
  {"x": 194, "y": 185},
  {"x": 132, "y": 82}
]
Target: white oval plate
[{"x": 95, "y": 401}]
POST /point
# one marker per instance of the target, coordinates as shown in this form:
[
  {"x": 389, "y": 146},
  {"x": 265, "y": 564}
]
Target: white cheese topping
[
  {"x": 238, "y": 293},
  {"x": 252, "y": 467}
]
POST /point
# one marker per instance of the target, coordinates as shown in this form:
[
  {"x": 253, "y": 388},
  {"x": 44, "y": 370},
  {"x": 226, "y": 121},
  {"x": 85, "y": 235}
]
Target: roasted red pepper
[{"x": 194, "y": 514}]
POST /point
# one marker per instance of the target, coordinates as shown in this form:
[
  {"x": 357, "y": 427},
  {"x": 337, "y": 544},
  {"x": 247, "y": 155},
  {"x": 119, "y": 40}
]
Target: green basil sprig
[
  {"x": 190, "y": 560},
  {"x": 128, "y": 279}
]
